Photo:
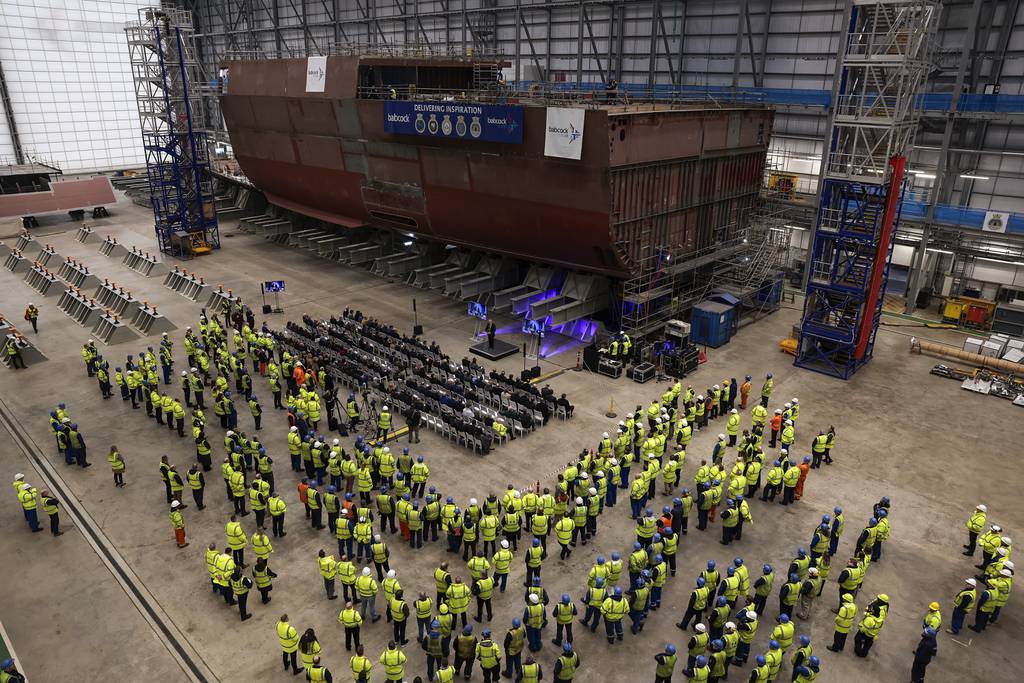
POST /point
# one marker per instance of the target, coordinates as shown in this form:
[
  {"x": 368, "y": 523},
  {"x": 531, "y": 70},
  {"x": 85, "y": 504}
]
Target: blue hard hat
[
  {"x": 618, "y": 591},
  {"x": 74, "y": 425},
  {"x": 804, "y": 640},
  {"x": 677, "y": 501},
  {"x": 717, "y": 644},
  {"x": 794, "y": 577},
  {"x": 721, "y": 601},
  {"x": 814, "y": 660},
  {"x": 883, "y": 512},
  {"x": 435, "y": 624},
  {"x": 783, "y": 618},
  {"x": 885, "y": 500},
  {"x": 599, "y": 582},
  {"x": 415, "y": 505},
  {"x": 636, "y": 545},
  {"x": 737, "y": 561},
  {"x": 739, "y": 497},
  {"x": 419, "y": 458},
  {"x": 701, "y": 660},
  {"x": 7, "y": 663},
  {"x": 432, "y": 489},
  {"x": 838, "y": 510},
  {"x": 761, "y": 661},
  {"x": 826, "y": 519},
  {"x": 467, "y": 629},
  {"x": 565, "y": 598},
  {"x": 486, "y": 633},
  {"x": 53, "y": 413},
  {"x": 711, "y": 564},
  {"x": 567, "y": 647},
  {"x": 383, "y": 489},
  {"x": 640, "y": 583},
  {"x": 658, "y": 558},
  {"x": 670, "y": 649},
  {"x": 536, "y": 581},
  {"x": 766, "y": 568},
  {"x": 263, "y": 451},
  {"x": 874, "y": 520},
  {"x": 801, "y": 552},
  {"x": 774, "y": 644},
  {"x": 516, "y": 623},
  {"x": 778, "y": 463},
  {"x": 730, "y": 571},
  {"x": 700, "y": 582},
  {"x": 656, "y": 538},
  {"x": 331, "y": 488},
  {"x": 648, "y": 511},
  {"x": 615, "y": 556},
  {"x": 748, "y": 378},
  {"x": 450, "y": 500},
  {"x": 686, "y": 492}
]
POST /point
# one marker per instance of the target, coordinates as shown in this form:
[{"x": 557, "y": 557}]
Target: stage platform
[{"x": 501, "y": 349}]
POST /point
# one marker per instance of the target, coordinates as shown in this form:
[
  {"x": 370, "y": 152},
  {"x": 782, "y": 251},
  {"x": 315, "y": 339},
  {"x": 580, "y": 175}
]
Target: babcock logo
[
  {"x": 571, "y": 133},
  {"x": 317, "y": 72},
  {"x": 398, "y": 118}
]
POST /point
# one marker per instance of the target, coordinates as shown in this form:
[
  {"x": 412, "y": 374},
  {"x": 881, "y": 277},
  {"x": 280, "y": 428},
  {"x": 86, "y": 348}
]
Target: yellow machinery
[
  {"x": 783, "y": 183},
  {"x": 968, "y": 311}
]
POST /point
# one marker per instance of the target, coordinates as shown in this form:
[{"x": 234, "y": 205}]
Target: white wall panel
[{"x": 67, "y": 69}]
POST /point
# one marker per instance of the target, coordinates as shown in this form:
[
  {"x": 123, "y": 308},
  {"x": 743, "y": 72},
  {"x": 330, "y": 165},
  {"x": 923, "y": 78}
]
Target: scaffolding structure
[
  {"x": 743, "y": 264},
  {"x": 876, "y": 112},
  {"x": 168, "y": 83}
]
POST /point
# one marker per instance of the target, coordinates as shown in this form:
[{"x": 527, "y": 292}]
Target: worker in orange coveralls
[
  {"x": 804, "y": 468},
  {"x": 744, "y": 391}
]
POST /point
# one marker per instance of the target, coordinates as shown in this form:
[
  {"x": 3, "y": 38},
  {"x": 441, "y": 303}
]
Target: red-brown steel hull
[{"x": 646, "y": 180}]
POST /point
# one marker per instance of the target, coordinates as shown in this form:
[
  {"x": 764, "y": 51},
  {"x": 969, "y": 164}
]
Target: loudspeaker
[
  {"x": 417, "y": 330},
  {"x": 535, "y": 372},
  {"x": 266, "y": 309}
]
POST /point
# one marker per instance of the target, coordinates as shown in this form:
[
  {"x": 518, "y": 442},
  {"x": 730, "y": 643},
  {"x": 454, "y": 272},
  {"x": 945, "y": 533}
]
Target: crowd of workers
[{"x": 369, "y": 496}]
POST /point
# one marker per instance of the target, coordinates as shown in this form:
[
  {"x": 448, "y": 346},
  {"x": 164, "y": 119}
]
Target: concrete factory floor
[{"x": 934, "y": 449}]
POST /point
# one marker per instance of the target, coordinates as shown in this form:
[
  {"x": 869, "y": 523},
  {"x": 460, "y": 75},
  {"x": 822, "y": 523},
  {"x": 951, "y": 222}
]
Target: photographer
[{"x": 413, "y": 420}]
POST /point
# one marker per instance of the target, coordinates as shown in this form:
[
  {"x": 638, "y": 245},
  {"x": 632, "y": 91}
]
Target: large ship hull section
[{"x": 327, "y": 155}]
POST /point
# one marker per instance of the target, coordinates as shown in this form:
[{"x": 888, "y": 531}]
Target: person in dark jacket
[{"x": 926, "y": 649}]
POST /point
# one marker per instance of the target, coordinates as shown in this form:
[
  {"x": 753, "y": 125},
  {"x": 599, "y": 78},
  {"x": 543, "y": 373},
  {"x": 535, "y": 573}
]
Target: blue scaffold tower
[
  {"x": 874, "y": 117},
  {"x": 167, "y": 79}
]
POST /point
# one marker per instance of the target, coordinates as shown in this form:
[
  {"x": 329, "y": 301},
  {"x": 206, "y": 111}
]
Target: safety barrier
[
  {"x": 149, "y": 321},
  {"x": 24, "y": 239},
  {"x": 79, "y": 307},
  {"x": 219, "y": 297},
  {"x": 113, "y": 297},
  {"x": 29, "y": 353},
  {"x": 41, "y": 280},
  {"x": 77, "y": 274},
  {"x": 86, "y": 235},
  {"x": 46, "y": 254},
  {"x": 111, "y": 330},
  {"x": 112, "y": 248},
  {"x": 144, "y": 263},
  {"x": 189, "y": 285},
  {"x": 16, "y": 261}
]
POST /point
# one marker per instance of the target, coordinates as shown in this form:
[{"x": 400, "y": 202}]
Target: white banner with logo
[
  {"x": 995, "y": 221},
  {"x": 563, "y": 135},
  {"x": 316, "y": 74}
]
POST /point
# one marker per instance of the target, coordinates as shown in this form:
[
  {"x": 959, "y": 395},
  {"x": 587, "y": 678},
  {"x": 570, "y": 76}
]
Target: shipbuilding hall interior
[{"x": 549, "y": 340}]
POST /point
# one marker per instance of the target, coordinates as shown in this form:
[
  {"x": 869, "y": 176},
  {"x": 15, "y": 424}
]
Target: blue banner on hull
[{"x": 458, "y": 120}]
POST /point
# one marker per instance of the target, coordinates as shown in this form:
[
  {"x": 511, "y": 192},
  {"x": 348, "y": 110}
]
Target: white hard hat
[
  {"x": 384, "y": 408},
  {"x": 729, "y": 624},
  {"x": 366, "y": 571},
  {"x": 789, "y": 422},
  {"x": 716, "y": 387},
  {"x": 1006, "y": 540},
  {"x": 751, "y": 615},
  {"x": 996, "y": 528},
  {"x": 90, "y": 342},
  {"x": 376, "y": 538},
  {"x": 504, "y": 544},
  {"x": 386, "y": 449},
  {"x": 600, "y": 473},
  {"x": 592, "y": 491},
  {"x": 579, "y": 501},
  {"x": 184, "y": 374},
  {"x": 788, "y": 404},
  {"x": 1005, "y": 572},
  {"x": 700, "y": 628},
  {"x": 230, "y": 433},
  {"x": 343, "y": 511},
  {"x": 336, "y": 442},
  {"x": 175, "y": 504},
  {"x": 971, "y": 582},
  {"x": 472, "y": 501},
  {"x": 621, "y": 423},
  {"x": 1009, "y": 564},
  {"x": 164, "y": 334},
  {"x": 615, "y": 461},
  {"x": 657, "y": 420},
  {"x": 604, "y": 435},
  {"x": 294, "y": 429},
  {"x": 685, "y": 423},
  {"x": 721, "y": 436},
  {"x": 534, "y": 599},
  {"x": 813, "y": 571},
  {"x": 734, "y": 411},
  {"x": 19, "y": 476},
  {"x": 362, "y": 519},
  {"x": 778, "y": 411},
  {"x": 26, "y": 487},
  {"x": 796, "y": 400},
  {"x": 1000, "y": 551},
  {"x": 391, "y": 574},
  {"x": 982, "y": 508}
]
